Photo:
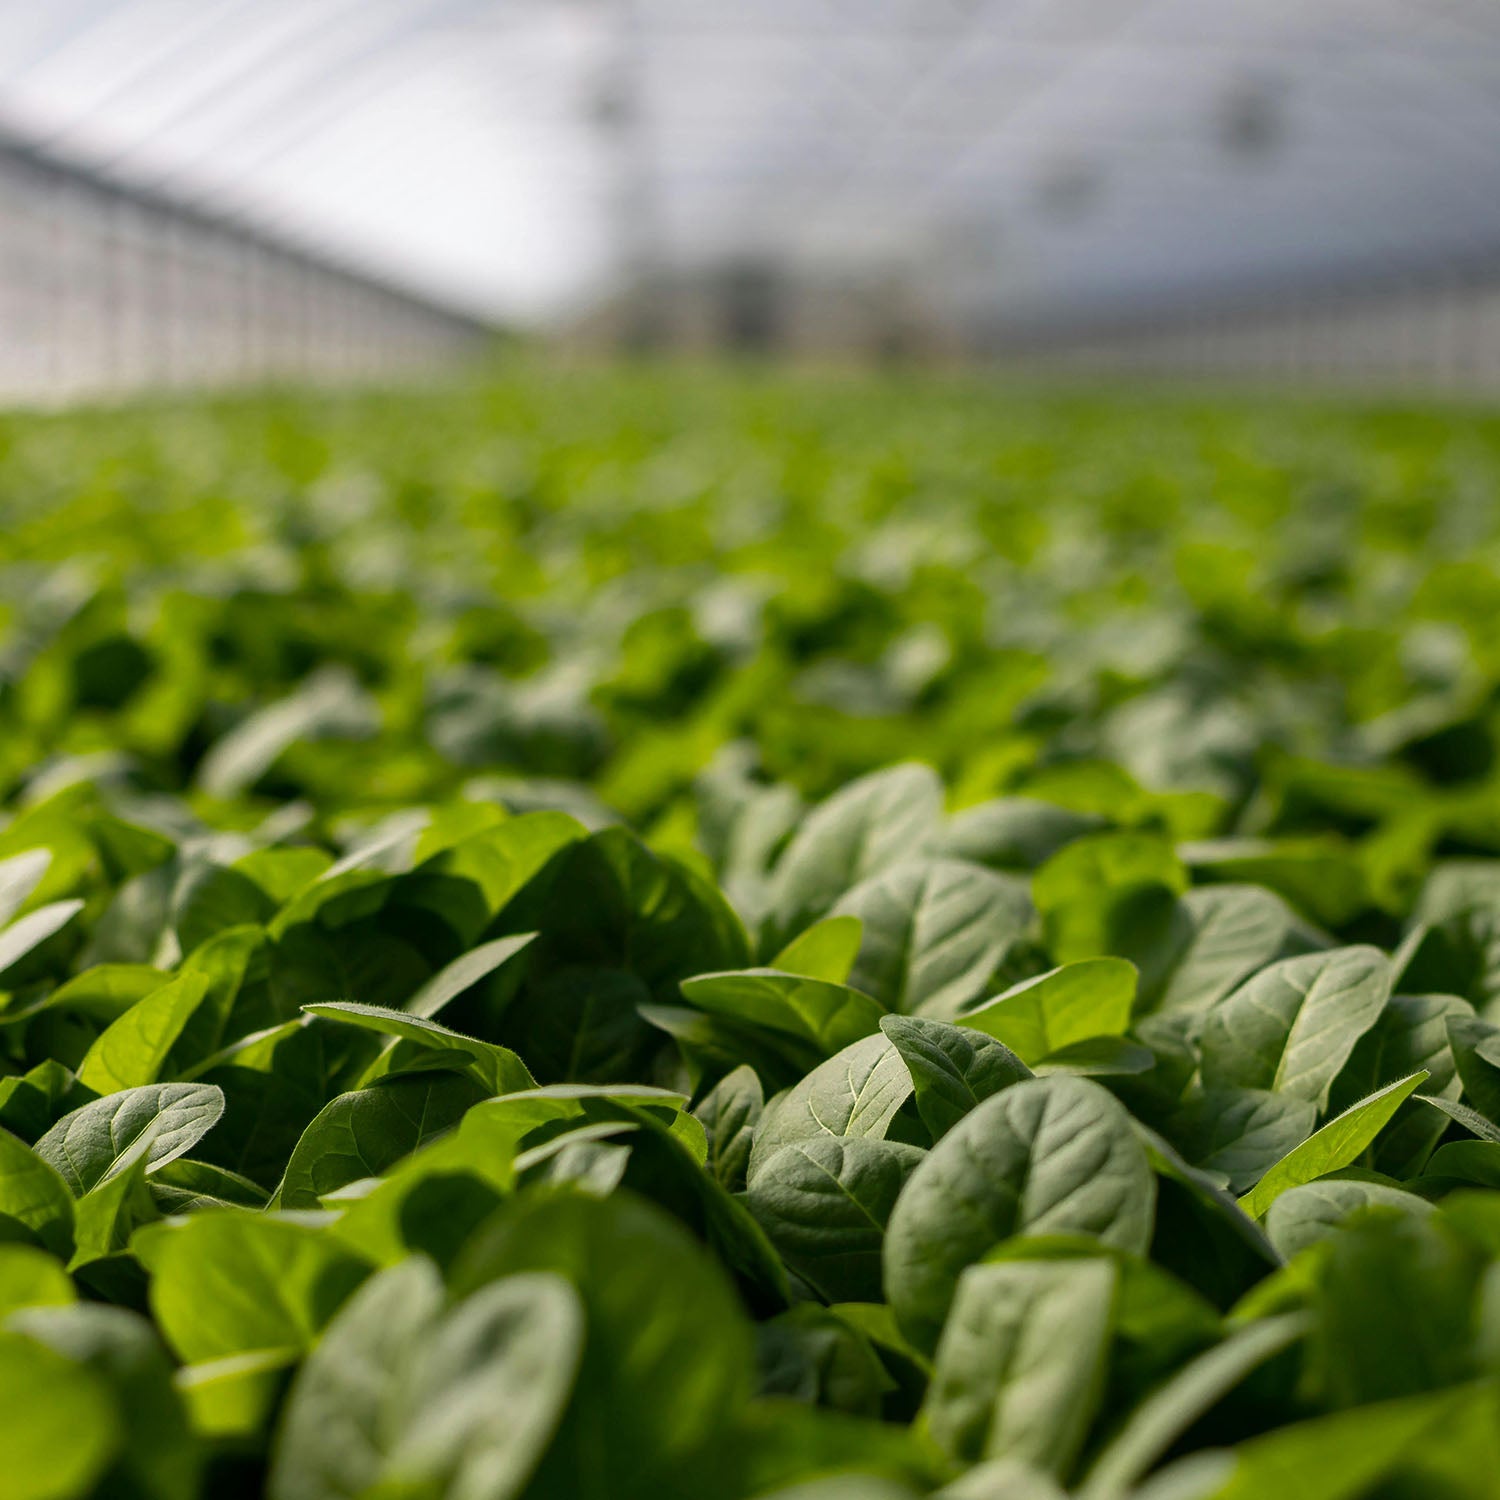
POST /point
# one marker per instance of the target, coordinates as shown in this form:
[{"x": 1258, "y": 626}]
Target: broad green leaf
[
  {"x": 1471, "y": 1120},
  {"x": 497, "y": 1069},
  {"x": 399, "y": 1398},
  {"x": 233, "y": 1281},
  {"x": 869, "y": 824},
  {"x": 1344, "y": 1455},
  {"x": 159, "y": 1456},
  {"x": 107, "y": 1215},
  {"x": 1411, "y": 1034},
  {"x": 825, "y": 1201},
  {"x": 1113, "y": 893},
  {"x": 329, "y": 703},
  {"x": 1234, "y": 931},
  {"x": 666, "y": 1364},
  {"x": 857, "y": 1092},
  {"x": 1292, "y": 1027},
  {"x": 1074, "y": 1003},
  {"x": 209, "y": 899},
  {"x": 26, "y": 934},
  {"x": 1013, "y": 833},
  {"x": 952, "y": 1068},
  {"x": 1337, "y": 1145},
  {"x": 1046, "y": 1156},
  {"x": 580, "y": 1024},
  {"x": 1193, "y": 1392},
  {"x": 615, "y": 904},
  {"x": 158, "y": 1122},
  {"x": 1019, "y": 1370},
  {"x": 102, "y": 992},
  {"x": 31, "y": 1278},
  {"x": 1470, "y": 1039},
  {"x": 827, "y": 950},
  {"x": 1241, "y": 1133},
  {"x": 19, "y": 877},
  {"x": 486, "y": 1390},
  {"x": 343, "y": 1407},
  {"x": 34, "y": 1194},
  {"x": 60, "y": 1427},
  {"x": 823, "y": 1017},
  {"x": 362, "y": 1133},
  {"x": 730, "y": 1113},
  {"x": 934, "y": 931},
  {"x": 131, "y": 1051},
  {"x": 232, "y": 1400},
  {"x": 1304, "y": 1215}
]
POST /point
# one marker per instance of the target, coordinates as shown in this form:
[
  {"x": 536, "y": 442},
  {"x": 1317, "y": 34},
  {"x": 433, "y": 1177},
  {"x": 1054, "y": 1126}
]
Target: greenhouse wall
[{"x": 106, "y": 289}]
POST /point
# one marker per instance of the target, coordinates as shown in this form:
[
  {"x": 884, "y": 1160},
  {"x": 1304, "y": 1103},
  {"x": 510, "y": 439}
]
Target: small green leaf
[
  {"x": 953, "y": 1068},
  {"x": 1074, "y": 1003},
  {"x": 130, "y": 1052},
  {"x": 1019, "y": 1370},
  {"x": 1338, "y": 1144},
  {"x": 823, "y": 1017},
  {"x": 827, "y": 950},
  {"x": 159, "y": 1122}
]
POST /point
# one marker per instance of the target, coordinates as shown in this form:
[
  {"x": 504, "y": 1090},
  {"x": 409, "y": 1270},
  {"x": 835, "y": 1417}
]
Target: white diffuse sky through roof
[{"x": 1033, "y": 155}]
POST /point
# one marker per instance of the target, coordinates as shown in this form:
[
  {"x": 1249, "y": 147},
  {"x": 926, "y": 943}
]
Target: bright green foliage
[{"x": 650, "y": 936}]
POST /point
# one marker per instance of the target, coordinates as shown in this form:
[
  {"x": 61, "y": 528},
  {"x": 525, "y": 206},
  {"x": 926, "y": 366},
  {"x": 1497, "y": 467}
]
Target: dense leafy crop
[{"x": 644, "y": 937}]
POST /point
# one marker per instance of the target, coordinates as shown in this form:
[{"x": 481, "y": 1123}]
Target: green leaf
[
  {"x": 1470, "y": 1038},
  {"x": 934, "y": 931},
  {"x": 398, "y": 1398},
  {"x": 1187, "y": 1397},
  {"x": 953, "y": 1068},
  {"x": 61, "y": 1427},
  {"x": 28, "y": 933},
  {"x": 857, "y": 1092},
  {"x": 362, "y": 1133},
  {"x": 1240, "y": 1134},
  {"x": 824, "y": 1203},
  {"x": 342, "y": 1411},
  {"x": 666, "y": 1364},
  {"x": 1074, "y": 1003},
  {"x": 1342, "y": 1456},
  {"x": 209, "y": 899},
  {"x": 1019, "y": 1370},
  {"x": 131, "y": 1051},
  {"x": 1338, "y": 1144},
  {"x": 615, "y": 904},
  {"x": 1304, "y": 1215},
  {"x": 1471, "y": 1120},
  {"x": 1046, "y": 1156},
  {"x": 159, "y": 1457},
  {"x": 1014, "y": 833},
  {"x": 487, "y": 1389},
  {"x": 827, "y": 950},
  {"x": 1292, "y": 1027},
  {"x": 863, "y": 828},
  {"x": 102, "y": 993},
  {"x": 158, "y": 1122},
  {"x": 464, "y": 972},
  {"x": 34, "y": 1195},
  {"x": 823, "y": 1017},
  {"x": 730, "y": 1112},
  {"x": 233, "y": 1281},
  {"x": 1234, "y": 932},
  {"x": 19, "y": 877},
  {"x": 31, "y": 1278},
  {"x": 497, "y": 1069}
]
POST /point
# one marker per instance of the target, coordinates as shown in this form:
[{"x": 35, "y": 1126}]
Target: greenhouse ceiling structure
[{"x": 1033, "y": 158}]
